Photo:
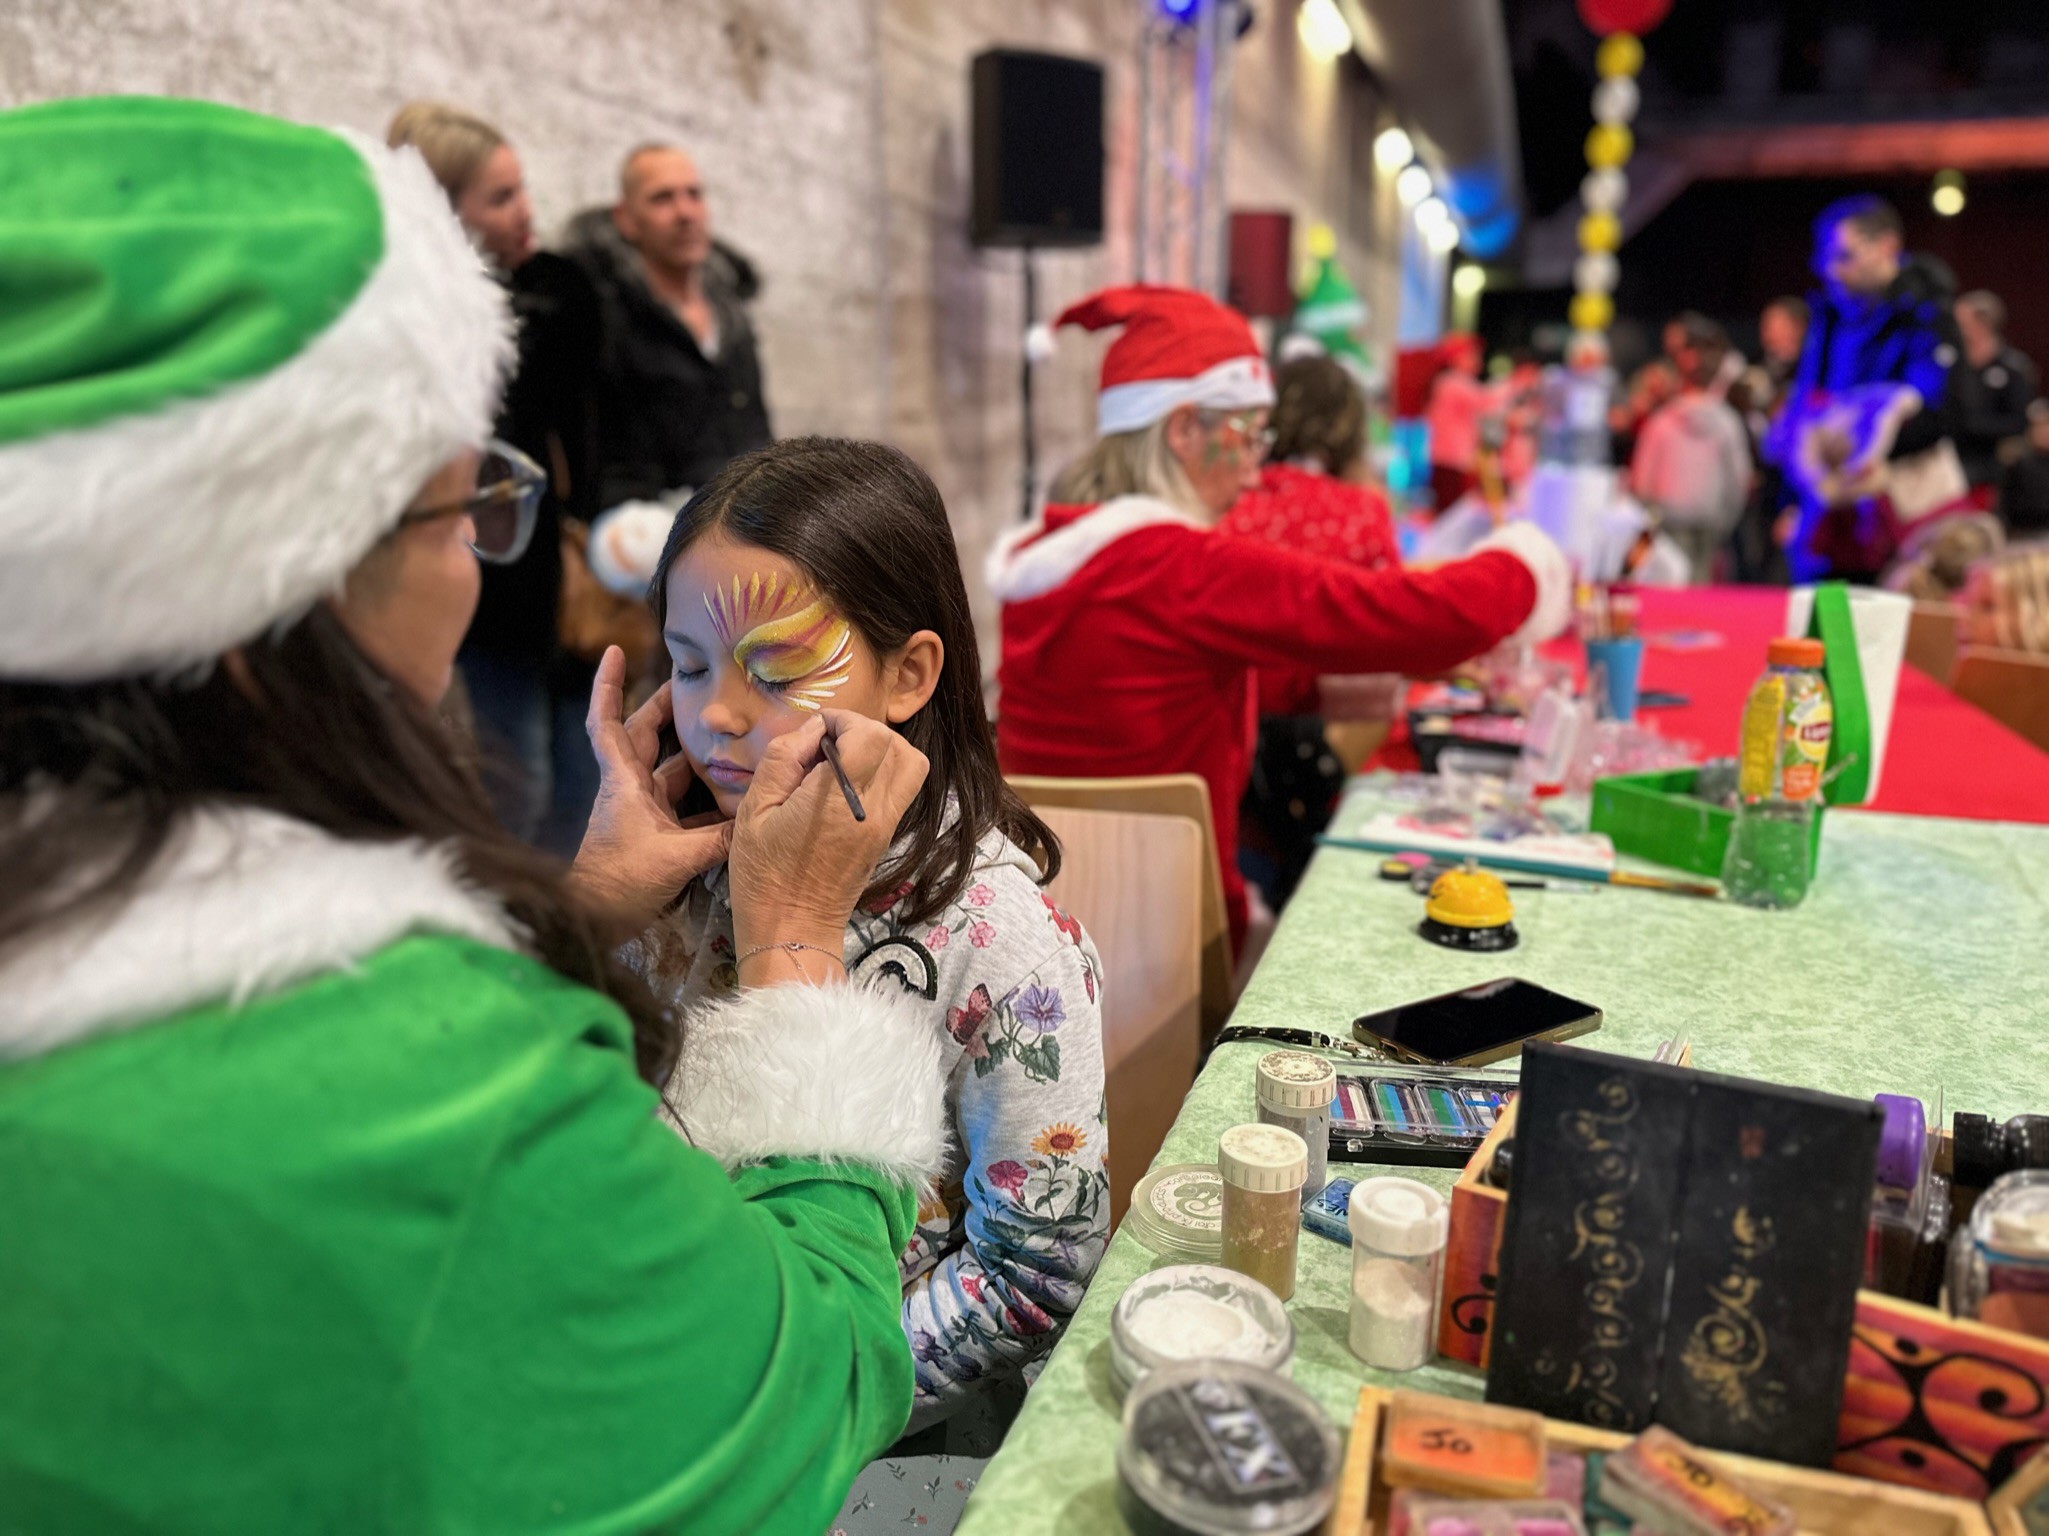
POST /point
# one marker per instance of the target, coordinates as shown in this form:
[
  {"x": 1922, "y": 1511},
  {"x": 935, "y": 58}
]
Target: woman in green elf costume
[{"x": 333, "y": 1195}]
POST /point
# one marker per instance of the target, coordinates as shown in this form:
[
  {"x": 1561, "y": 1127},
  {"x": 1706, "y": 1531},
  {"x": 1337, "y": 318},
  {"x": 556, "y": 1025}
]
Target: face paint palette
[
  {"x": 785, "y": 636},
  {"x": 1433, "y": 1120}
]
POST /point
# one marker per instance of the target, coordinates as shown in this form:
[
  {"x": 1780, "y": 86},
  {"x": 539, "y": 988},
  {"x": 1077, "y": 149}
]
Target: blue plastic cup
[{"x": 1616, "y": 667}]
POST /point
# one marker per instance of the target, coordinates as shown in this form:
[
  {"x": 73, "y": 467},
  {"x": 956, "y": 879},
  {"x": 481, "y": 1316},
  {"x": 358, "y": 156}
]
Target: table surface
[
  {"x": 1917, "y": 963},
  {"x": 1944, "y": 757}
]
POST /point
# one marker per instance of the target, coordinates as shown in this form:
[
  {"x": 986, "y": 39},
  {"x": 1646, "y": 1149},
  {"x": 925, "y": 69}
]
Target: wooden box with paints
[{"x": 1459, "y": 1449}]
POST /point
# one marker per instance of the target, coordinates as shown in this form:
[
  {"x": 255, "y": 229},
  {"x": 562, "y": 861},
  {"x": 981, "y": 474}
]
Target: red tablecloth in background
[{"x": 1943, "y": 758}]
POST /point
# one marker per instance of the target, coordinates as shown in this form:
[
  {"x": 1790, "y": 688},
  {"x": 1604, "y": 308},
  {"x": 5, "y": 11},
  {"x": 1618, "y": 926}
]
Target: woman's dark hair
[
  {"x": 95, "y": 779},
  {"x": 1319, "y": 413},
  {"x": 866, "y": 525}
]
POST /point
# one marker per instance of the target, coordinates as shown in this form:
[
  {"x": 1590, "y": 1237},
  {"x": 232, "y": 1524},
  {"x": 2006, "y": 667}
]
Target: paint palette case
[{"x": 1434, "y": 1120}]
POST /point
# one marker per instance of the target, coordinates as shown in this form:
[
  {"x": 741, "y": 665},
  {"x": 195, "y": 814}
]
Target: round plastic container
[
  {"x": 1178, "y": 1212},
  {"x": 1399, "y": 1227},
  {"x": 1295, "y": 1093},
  {"x": 1262, "y": 1167},
  {"x": 1196, "y": 1312},
  {"x": 1222, "y": 1448},
  {"x": 1999, "y": 1267}
]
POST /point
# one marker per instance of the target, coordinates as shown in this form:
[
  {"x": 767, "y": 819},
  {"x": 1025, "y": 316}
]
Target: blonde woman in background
[{"x": 526, "y": 693}]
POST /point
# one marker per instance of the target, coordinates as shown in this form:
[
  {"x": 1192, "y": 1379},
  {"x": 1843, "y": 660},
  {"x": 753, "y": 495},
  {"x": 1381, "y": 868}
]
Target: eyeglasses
[
  {"x": 503, "y": 507},
  {"x": 1247, "y": 428}
]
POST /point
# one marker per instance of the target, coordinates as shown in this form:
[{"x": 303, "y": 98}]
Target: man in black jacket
[
  {"x": 1990, "y": 387},
  {"x": 678, "y": 391}
]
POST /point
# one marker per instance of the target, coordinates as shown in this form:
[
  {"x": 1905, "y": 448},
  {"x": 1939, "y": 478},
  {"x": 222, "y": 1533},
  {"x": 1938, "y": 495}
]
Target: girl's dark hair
[
  {"x": 867, "y": 527},
  {"x": 95, "y": 779},
  {"x": 1319, "y": 413}
]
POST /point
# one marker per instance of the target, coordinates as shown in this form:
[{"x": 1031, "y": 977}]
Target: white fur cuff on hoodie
[
  {"x": 841, "y": 1073},
  {"x": 1550, "y": 570}
]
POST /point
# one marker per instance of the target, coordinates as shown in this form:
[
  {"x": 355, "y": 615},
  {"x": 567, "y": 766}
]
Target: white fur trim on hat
[
  {"x": 1235, "y": 384},
  {"x": 153, "y": 543},
  {"x": 626, "y": 545},
  {"x": 1547, "y": 566},
  {"x": 241, "y": 904},
  {"x": 839, "y": 1073}
]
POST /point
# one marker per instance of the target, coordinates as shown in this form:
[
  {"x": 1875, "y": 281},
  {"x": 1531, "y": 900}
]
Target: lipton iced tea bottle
[{"x": 1787, "y": 723}]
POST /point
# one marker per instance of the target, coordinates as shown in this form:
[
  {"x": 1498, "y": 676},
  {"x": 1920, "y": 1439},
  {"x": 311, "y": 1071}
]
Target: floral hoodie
[{"x": 1006, "y": 1243}]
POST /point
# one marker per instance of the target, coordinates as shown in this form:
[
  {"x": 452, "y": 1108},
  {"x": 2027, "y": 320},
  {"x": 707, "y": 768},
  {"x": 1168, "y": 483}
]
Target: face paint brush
[{"x": 832, "y": 756}]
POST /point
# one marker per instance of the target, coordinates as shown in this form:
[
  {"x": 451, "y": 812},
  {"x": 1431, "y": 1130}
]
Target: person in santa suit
[{"x": 1132, "y": 627}]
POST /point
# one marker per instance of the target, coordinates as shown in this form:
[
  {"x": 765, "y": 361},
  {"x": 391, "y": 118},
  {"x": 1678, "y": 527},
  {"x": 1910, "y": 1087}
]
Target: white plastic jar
[
  {"x": 1295, "y": 1093},
  {"x": 1399, "y": 1227}
]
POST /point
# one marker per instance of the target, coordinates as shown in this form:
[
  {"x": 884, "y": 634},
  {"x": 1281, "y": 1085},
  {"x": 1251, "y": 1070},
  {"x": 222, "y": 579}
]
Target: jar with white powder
[
  {"x": 1197, "y": 1312},
  {"x": 1398, "y": 1233}
]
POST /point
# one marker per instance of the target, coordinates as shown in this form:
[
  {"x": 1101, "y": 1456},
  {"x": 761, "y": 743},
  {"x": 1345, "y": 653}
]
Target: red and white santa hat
[{"x": 1179, "y": 347}]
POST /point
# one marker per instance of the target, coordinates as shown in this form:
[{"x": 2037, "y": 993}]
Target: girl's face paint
[
  {"x": 754, "y": 652},
  {"x": 784, "y": 636}
]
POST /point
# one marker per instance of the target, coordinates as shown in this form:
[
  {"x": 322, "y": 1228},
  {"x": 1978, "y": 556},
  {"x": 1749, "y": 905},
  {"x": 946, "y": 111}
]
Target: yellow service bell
[{"x": 1469, "y": 909}]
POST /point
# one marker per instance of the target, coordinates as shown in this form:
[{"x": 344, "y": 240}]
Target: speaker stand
[{"x": 1029, "y": 476}]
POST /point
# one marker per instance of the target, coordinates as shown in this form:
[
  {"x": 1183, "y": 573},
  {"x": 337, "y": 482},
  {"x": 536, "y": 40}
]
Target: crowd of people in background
[{"x": 1887, "y": 431}]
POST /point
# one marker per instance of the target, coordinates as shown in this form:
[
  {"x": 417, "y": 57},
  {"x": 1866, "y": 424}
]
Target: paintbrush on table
[{"x": 832, "y": 756}]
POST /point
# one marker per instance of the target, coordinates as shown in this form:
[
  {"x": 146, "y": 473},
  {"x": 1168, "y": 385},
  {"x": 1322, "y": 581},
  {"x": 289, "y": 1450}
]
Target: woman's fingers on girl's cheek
[
  {"x": 784, "y": 764},
  {"x": 644, "y": 726},
  {"x": 673, "y": 779}
]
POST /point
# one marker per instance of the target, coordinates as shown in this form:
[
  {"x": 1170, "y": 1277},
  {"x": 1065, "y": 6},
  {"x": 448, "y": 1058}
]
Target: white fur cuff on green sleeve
[{"x": 840, "y": 1072}]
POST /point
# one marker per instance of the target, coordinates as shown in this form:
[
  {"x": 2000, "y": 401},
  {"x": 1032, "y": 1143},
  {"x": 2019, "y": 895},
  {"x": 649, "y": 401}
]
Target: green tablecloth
[{"x": 1917, "y": 962}]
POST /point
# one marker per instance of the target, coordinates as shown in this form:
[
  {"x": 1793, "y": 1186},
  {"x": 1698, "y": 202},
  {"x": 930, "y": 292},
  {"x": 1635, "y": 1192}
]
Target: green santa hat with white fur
[{"x": 232, "y": 349}]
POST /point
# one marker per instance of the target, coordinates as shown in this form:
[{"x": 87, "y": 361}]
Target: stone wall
[{"x": 832, "y": 135}]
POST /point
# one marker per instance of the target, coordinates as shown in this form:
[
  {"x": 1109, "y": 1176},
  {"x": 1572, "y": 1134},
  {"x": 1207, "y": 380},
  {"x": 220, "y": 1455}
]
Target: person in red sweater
[
  {"x": 1312, "y": 496},
  {"x": 1132, "y": 627}
]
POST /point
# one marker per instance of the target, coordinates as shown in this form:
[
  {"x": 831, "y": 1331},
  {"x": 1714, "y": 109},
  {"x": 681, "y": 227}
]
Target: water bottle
[{"x": 1787, "y": 723}]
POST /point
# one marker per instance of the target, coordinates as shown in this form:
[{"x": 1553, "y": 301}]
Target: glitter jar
[
  {"x": 1399, "y": 1227},
  {"x": 1295, "y": 1093},
  {"x": 1262, "y": 1168}
]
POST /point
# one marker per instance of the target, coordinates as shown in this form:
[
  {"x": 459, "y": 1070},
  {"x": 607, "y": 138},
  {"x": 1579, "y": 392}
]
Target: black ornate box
[{"x": 1682, "y": 1248}]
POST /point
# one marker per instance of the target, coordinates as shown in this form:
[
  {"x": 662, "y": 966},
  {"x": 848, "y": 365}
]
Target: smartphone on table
[{"x": 1476, "y": 1025}]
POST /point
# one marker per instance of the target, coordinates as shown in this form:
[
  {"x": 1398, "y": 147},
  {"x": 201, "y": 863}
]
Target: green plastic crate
[{"x": 1654, "y": 816}]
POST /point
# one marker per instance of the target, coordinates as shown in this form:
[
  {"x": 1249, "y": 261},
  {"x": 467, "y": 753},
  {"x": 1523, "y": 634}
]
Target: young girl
[{"x": 816, "y": 576}]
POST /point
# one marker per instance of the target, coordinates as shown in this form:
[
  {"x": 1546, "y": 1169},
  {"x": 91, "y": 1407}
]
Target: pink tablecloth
[{"x": 1944, "y": 757}]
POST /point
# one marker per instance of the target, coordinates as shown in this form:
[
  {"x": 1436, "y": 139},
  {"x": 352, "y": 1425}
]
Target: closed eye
[{"x": 689, "y": 674}]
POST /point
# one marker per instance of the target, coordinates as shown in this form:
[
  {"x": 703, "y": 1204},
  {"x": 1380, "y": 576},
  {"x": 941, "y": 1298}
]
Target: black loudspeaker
[{"x": 1038, "y": 150}]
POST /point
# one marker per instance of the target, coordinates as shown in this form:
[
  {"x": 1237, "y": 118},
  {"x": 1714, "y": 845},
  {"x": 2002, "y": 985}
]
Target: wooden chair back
[
  {"x": 1170, "y": 794},
  {"x": 2010, "y": 686},
  {"x": 1133, "y": 882},
  {"x": 1932, "y": 638}
]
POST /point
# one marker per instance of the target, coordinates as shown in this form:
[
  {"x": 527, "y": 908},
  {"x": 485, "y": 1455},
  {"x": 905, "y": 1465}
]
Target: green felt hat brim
[{"x": 150, "y": 530}]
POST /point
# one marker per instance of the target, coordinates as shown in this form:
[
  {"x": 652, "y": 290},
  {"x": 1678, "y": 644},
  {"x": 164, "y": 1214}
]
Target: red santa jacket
[
  {"x": 1131, "y": 631},
  {"x": 1321, "y": 515}
]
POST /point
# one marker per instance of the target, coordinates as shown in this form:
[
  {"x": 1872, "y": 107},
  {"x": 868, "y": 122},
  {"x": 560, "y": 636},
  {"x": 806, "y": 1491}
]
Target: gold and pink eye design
[{"x": 785, "y": 637}]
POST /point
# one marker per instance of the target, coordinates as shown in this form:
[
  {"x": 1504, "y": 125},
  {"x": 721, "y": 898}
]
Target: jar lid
[
  {"x": 1792, "y": 652},
  {"x": 1197, "y": 1312},
  {"x": 1224, "y": 1448},
  {"x": 1397, "y": 1216},
  {"x": 1264, "y": 1159},
  {"x": 1902, "y": 1142},
  {"x": 1296, "y": 1080},
  {"x": 1178, "y": 1212},
  {"x": 2011, "y": 1219}
]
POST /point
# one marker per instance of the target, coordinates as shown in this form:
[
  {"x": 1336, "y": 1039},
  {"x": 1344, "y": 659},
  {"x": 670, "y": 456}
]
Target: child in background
[
  {"x": 821, "y": 575},
  {"x": 1692, "y": 461}
]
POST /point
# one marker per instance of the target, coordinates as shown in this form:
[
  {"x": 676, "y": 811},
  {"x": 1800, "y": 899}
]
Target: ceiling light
[{"x": 1393, "y": 149}]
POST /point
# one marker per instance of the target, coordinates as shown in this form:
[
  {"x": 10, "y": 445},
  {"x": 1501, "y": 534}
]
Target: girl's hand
[
  {"x": 799, "y": 859},
  {"x": 636, "y": 855}
]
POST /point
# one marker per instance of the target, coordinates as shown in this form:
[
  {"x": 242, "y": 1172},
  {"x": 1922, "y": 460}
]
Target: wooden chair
[
  {"x": 1171, "y": 794},
  {"x": 2010, "y": 686},
  {"x": 1932, "y": 638},
  {"x": 1133, "y": 882}
]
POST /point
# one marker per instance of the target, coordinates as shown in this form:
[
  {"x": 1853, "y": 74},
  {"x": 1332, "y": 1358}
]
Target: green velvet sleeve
[{"x": 629, "y": 1340}]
